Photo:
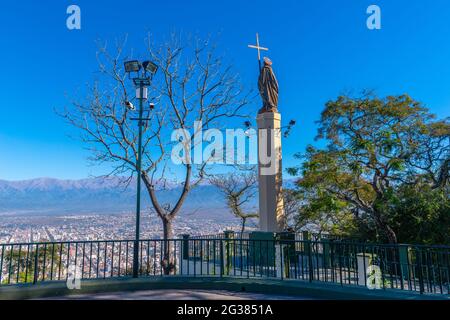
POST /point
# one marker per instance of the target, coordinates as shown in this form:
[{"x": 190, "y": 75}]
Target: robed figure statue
[{"x": 268, "y": 88}]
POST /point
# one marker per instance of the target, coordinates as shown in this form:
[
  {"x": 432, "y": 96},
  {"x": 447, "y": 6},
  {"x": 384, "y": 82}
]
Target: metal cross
[{"x": 259, "y": 48}]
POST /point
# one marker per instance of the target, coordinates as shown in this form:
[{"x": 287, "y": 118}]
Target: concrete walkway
[
  {"x": 178, "y": 295},
  {"x": 204, "y": 288}
]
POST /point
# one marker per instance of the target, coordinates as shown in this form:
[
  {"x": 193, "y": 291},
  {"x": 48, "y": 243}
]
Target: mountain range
[
  {"x": 106, "y": 195},
  {"x": 101, "y": 196}
]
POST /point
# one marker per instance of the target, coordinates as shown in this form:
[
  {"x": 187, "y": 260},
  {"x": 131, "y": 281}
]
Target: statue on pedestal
[
  {"x": 268, "y": 88},
  {"x": 267, "y": 82},
  {"x": 270, "y": 179}
]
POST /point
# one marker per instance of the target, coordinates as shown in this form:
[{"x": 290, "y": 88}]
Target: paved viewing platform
[{"x": 171, "y": 294}]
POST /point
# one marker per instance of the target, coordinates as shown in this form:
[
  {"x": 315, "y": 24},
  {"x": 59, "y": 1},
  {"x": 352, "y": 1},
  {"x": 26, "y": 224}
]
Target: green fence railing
[{"x": 424, "y": 269}]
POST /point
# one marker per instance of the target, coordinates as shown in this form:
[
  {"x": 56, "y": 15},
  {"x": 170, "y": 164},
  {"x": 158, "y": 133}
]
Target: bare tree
[
  {"x": 239, "y": 188},
  {"x": 291, "y": 207},
  {"x": 192, "y": 84}
]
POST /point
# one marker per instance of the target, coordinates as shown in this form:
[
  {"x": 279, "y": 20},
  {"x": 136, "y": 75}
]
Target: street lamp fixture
[
  {"x": 150, "y": 67},
  {"x": 132, "y": 66},
  {"x": 141, "y": 81}
]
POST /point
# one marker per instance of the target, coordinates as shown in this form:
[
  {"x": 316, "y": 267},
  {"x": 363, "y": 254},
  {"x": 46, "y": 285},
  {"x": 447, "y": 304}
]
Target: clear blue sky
[{"x": 319, "y": 48}]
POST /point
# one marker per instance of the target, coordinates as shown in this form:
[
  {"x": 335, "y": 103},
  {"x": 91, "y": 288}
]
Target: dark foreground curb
[{"x": 277, "y": 287}]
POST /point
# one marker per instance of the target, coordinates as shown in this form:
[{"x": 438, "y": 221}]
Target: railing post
[
  {"x": 286, "y": 241},
  {"x": 308, "y": 248},
  {"x": 332, "y": 262},
  {"x": 221, "y": 258},
  {"x": 185, "y": 246},
  {"x": 36, "y": 257},
  {"x": 1, "y": 264},
  {"x": 420, "y": 271},
  {"x": 184, "y": 254},
  {"x": 135, "y": 258},
  {"x": 227, "y": 260},
  {"x": 362, "y": 263},
  {"x": 404, "y": 264},
  {"x": 278, "y": 248},
  {"x": 326, "y": 253}
]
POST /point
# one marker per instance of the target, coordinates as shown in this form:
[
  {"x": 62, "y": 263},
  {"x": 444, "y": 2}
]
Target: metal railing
[
  {"x": 300, "y": 236},
  {"x": 424, "y": 269}
]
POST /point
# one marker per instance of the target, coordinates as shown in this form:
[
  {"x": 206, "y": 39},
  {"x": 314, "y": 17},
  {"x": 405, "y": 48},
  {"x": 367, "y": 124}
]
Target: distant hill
[
  {"x": 104, "y": 196},
  {"x": 100, "y": 196}
]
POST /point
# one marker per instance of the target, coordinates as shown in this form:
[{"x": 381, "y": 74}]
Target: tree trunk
[
  {"x": 167, "y": 217},
  {"x": 168, "y": 259},
  {"x": 390, "y": 234},
  {"x": 384, "y": 227},
  {"x": 244, "y": 220}
]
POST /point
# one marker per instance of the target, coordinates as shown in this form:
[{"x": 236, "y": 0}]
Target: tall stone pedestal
[{"x": 271, "y": 215}]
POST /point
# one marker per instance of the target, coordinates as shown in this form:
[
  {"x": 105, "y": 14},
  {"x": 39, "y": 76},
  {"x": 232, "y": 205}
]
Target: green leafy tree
[
  {"x": 376, "y": 149},
  {"x": 421, "y": 214}
]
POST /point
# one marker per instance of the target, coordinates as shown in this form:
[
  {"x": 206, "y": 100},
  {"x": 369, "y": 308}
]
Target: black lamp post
[{"x": 142, "y": 75}]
